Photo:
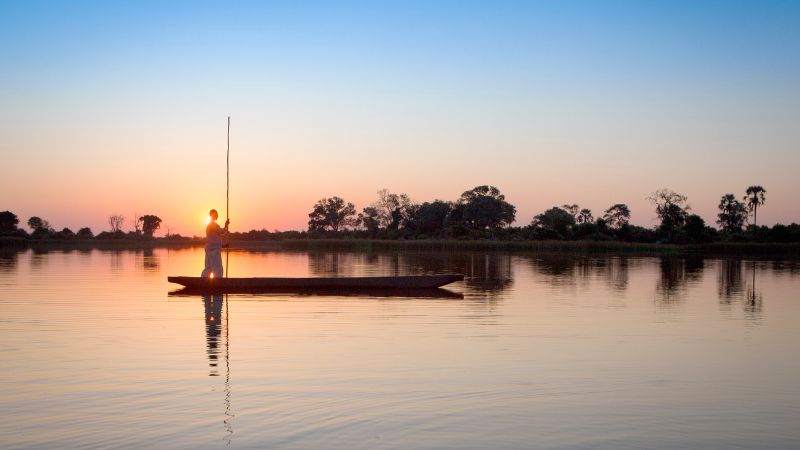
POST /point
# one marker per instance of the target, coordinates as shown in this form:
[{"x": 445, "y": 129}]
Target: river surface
[{"x": 530, "y": 351}]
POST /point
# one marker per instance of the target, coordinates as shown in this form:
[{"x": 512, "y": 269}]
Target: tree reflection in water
[
  {"x": 574, "y": 270},
  {"x": 9, "y": 260},
  {"x": 558, "y": 270},
  {"x": 754, "y": 303},
  {"x": 150, "y": 261},
  {"x": 486, "y": 272},
  {"x": 615, "y": 272},
  {"x": 117, "y": 260},
  {"x": 781, "y": 267},
  {"x": 38, "y": 258},
  {"x": 731, "y": 286},
  {"x": 730, "y": 283},
  {"x": 676, "y": 275}
]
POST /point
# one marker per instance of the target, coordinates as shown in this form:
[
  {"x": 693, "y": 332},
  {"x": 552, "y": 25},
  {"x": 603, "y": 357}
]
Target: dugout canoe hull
[{"x": 243, "y": 284}]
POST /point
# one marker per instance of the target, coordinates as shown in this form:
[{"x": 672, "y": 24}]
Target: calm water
[{"x": 533, "y": 351}]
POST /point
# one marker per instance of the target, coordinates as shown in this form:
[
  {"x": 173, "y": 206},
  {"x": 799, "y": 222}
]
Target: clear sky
[{"x": 121, "y": 107}]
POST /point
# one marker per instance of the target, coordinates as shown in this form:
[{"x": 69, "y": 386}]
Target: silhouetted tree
[
  {"x": 368, "y": 219},
  {"x": 485, "y": 207},
  {"x": 695, "y": 228},
  {"x": 397, "y": 218},
  {"x": 8, "y": 222},
  {"x": 150, "y": 224},
  {"x": 331, "y": 213},
  {"x": 573, "y": 210},
  {"x": 115, "y": 221},
  {"x": 555, "y": 219},
  {"x": 41, "y": 233},
  {"x": 430, "y": 218},
  {"x": 755, "y": 197},
  {"x": 391, "y": 208},
  {"x": 137, "y": 223},
  {"x": 671, "y": 208},
  {"x": 602, "y": 225},
  {"x": 732, "y": 213},
  {"x": 617, "y": 216},
  {"x": 37, "y": 223},
  {"x": 85, "y": 233},
  {"x": 585, "y": 230},
  {"x": 585, "y": 216},
  {"x": 41, "y": 228}
]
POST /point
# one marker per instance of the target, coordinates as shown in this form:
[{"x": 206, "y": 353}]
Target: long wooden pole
[
  {"x": 228, "y": 173},
  {"x": 228, "y": 192},
  {"x": 228, "y": 414}
]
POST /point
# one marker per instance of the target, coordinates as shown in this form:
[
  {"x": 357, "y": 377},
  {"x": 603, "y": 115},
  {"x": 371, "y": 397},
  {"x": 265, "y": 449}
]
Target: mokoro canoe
[
  {"x": 323, "y": 292},
  {"x": 402, "y": 282}
]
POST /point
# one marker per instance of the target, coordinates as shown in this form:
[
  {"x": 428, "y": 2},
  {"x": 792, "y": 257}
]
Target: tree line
[
  {"x": 484, "y": 213},
  {"x": 144, "y": 228},
  {"x": 479, "y": 213}
]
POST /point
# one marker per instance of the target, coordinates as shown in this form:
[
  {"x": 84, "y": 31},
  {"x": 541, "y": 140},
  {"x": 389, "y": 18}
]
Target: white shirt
[{"x": 214, "y": 236}]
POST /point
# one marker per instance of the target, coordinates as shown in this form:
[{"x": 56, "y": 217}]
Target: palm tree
[
  {"x": 585, "y": 216},
  {"x": 572, "y": 209},
  {"x": 755, "y": 197}
]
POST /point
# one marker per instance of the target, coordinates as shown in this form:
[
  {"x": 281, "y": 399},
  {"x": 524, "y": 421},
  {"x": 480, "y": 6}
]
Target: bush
[
  {"x": 780, "y": 233},
  {"x": 544, "y": 234},
  {"x": 584, "y": 231},
  {"x": 66, "y": 233},
  {"x": 640, "y": 234},
  {"x": 111, "y": 235},
  {"x": 41, "y": 233}
]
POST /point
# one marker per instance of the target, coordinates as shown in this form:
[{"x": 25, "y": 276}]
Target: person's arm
[{"x": 224, "y": 232}]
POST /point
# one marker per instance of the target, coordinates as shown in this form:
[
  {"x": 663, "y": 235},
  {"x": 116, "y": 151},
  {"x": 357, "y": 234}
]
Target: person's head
[{"x": 213, "y": 214}]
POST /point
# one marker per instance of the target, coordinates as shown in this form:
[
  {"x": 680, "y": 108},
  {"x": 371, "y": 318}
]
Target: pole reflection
[{"x": 218, "y": 335}]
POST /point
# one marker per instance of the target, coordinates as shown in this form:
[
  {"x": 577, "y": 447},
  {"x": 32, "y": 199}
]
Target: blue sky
[{"x": 592, "y": 103}]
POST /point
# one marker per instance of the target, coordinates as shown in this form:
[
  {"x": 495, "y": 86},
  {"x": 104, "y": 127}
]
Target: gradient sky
[{"x": 122, "y": 108}]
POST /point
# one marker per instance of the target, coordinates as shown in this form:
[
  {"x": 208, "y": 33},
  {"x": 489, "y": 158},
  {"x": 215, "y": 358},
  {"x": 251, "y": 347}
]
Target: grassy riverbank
[
  {"x": 584, "y": 247},
  {"x": 101, "y": 244}
]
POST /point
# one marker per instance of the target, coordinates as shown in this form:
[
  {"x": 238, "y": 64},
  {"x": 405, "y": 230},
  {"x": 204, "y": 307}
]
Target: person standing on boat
[{"x": 214, "y": 232}]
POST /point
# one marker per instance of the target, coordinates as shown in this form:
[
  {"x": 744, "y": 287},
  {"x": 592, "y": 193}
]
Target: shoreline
[{"x": 576, "y": 247}]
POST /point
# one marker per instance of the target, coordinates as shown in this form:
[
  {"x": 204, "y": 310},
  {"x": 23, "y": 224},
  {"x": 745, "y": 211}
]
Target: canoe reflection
[{"x": 329, "y": 292}]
